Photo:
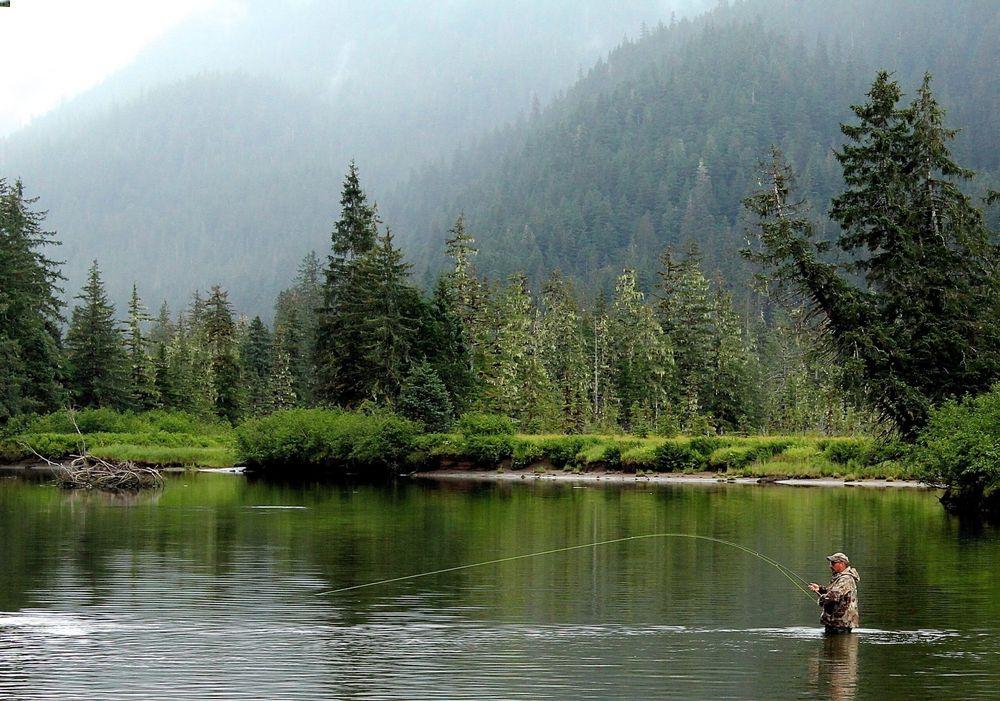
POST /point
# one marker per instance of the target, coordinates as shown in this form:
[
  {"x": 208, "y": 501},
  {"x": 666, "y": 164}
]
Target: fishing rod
[{"x": 787, "y": 573}]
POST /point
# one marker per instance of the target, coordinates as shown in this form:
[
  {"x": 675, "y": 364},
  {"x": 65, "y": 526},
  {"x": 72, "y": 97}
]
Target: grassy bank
[
  {"x": 317, "y": 441},
  {"x": 160, "y": 438},
  {"x": 322, "y": 441}
]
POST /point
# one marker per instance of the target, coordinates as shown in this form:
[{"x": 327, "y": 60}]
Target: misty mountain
[
  {"x": 658, "y": 144},
  {"x": 216, "y": 156}
]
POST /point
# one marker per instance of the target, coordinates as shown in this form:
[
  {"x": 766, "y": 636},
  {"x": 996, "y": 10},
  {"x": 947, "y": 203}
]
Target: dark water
[{"x": 199, "y": 592}]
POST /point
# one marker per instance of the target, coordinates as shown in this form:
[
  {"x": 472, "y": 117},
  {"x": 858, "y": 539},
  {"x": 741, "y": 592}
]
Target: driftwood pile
[{"x": 88, "y": 472}]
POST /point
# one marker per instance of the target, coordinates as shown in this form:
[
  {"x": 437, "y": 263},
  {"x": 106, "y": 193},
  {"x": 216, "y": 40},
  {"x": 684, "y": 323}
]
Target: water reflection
[
  {"x": 834, "y": 667},
  {"x": 217, "y": 581}
]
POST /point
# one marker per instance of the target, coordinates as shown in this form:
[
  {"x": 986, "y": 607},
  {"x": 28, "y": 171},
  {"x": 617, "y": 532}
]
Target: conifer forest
[{"x": 537, "y": 349}]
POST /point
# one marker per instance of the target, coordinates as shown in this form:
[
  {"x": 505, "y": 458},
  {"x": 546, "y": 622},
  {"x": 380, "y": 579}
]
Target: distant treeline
[{"x": 354, "y": 331}]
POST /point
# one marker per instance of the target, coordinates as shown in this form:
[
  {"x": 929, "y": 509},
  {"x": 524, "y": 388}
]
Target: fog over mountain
[{"x": 216, "y": 156}]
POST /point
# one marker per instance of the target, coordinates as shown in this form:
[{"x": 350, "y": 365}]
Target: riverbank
[
  {"x": 328, "y": 443},
  {"x": 151, "y": 439}
]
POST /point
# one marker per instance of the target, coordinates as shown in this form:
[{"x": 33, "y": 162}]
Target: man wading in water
[{"x": 840, "y": 599}]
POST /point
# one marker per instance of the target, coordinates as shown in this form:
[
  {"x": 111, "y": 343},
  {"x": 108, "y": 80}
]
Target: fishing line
[{"x": 787, "y": 573}]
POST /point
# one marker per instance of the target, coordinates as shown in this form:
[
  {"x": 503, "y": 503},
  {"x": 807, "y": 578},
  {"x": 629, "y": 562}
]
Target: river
[{"x": 216, "y": 587}]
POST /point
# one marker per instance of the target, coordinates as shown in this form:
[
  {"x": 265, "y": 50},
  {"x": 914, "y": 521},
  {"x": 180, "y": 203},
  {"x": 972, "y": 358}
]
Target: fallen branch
[{"x": 89, "y": 472}]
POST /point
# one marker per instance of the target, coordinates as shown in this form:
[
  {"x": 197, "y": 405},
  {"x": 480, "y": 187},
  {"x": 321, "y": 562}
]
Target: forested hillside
[
  {"x": 658, "y": 144},
  {"x": 217, "y": 155}
]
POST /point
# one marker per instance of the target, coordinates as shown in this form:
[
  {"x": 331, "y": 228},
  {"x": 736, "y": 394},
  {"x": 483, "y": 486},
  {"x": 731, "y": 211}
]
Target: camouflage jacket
[{"x": 840, "y": 600}]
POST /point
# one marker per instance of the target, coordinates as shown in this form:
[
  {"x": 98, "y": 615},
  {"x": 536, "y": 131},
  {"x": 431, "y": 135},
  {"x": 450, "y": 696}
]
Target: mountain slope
[
  {"x": 217, "y": 156},
  {"x": 658, "y": 144}
]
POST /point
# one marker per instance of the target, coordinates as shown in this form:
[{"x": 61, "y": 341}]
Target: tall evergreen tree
[
  {"x": 732, "y": 395},
  {"x": 685, "y": 313},
  {"x": 516, "y": 381},
  {"x": 564, "y": 353},
  {"x": 338, "y": 348},
  {"x": 256, "y": 366},
  {"x": 387, "y": 320},
  {"x": 641, "y": 359},
  {"x": 30, "y": 355},
  {"x": 141, "y": 372},
  {"x": 98, "y": 365},
  {"x": 219, "y": 335},
  {"x": 281, "y": 383},
  {"x": 601, "y": 390},
  {"x": 922, "y": 327},
  {"x": 297, "y": 311}
]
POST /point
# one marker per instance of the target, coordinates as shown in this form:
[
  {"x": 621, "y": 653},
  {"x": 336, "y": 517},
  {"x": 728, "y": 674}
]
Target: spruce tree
[
  {"x": 218, "y": 333},
  {"x": 731, "y": 397},
  {"x": 30, "y": 355},
  {"x": 685, "y": 313},
  {"x": 387, "y": 321},
  {"x": 463, "y": 289},
  {"x": 256, "y": 363},
  {"x": 281, "y": 382},
  {"x": 604, "y": 401},
  {"x": 98, "y": 364},
  {"x": 642, "y": 361},
  {"x": 922, "y": 327},
  {"x": 516, "y": 381},
  {"x": 338, "y": 349},
  {"x": 141, "y": 372},
  {"x": 297, "y": 311},
  {"x": 288, "y": 339},
  {"x": 564, "y": 353},
  {"x": 424, "y": 398}
]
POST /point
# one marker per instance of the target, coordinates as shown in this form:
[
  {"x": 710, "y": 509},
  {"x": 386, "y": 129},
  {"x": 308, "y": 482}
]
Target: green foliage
[
  {"x": 960, "y": 448},
  {"x": 480, "y": 424},
  {"x": 843, "y": 451},
  {"x": 95, "y": 351},
  {"x": 30, "y": 360},
  {"x": 424, "y": 398},
  {"x": 706, "y": 445},
  {"x": 327, "y": 441},
  {"x": 155, "y": 437},
  {"x": 487, "y": 450},
  {"x": 738, "y": 456},
  {"x": 921, "y": 324},
  {"x": 674, "y": 456}
]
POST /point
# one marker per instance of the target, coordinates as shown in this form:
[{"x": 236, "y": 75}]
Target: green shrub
[
  {"x": 739, "y": 455},
  {"x": 845, "y": 450},
  {"x": 562, "y": 451},
  {"x": 641, "y": 457},
  {"x": 676, "y": 457},
  {"x": 53, "y": 446},
  {"x": 479, "y": 424},
  {"x": 960, "y": 448},
  {"x": 526, "y": 453},
  {"x": 878, "y": 452},
  {"x": 328, "y": 440},
  {"x": 706, "y": 445},
  {"x": 668, "y": 426},
  {"x": 388, "y": 441},
  {"x": 488, "y": 450}
]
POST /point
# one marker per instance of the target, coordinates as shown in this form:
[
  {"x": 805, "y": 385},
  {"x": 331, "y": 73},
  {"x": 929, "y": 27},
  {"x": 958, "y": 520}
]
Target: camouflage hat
[{"x": 839, "y": 557}]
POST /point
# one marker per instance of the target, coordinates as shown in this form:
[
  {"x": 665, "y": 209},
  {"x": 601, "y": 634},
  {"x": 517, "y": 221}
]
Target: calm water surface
[{"x": 214, "y": 588}]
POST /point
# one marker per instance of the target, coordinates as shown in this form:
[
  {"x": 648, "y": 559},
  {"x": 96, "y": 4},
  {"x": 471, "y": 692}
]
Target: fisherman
[{"x": 840, "y": 599}]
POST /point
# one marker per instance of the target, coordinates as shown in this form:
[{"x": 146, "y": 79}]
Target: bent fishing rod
[{"x": 787, "y": 573}]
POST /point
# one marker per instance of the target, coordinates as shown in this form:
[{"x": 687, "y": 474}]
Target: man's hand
[{"x": 814, "y": 587}]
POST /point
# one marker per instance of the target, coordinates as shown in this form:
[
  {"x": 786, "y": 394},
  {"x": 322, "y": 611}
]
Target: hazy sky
[{"x": 55, "y": 49}]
